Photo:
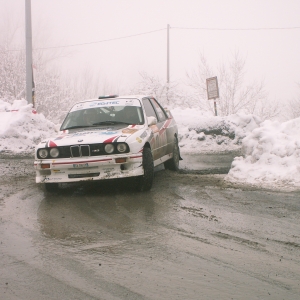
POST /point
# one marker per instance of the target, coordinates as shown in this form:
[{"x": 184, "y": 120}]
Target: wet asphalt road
[{"x": 191, "y": 237}]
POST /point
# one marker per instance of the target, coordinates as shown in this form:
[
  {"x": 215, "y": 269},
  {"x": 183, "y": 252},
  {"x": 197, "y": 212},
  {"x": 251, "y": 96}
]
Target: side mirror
[
  {"x": 152, "y": 121},
  {"x": 168, "y": 112}
]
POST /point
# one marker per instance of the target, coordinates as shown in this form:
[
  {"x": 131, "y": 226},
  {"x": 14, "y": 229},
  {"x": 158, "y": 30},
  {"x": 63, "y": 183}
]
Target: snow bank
[
  {"x": 200, "y": 132},
  {"x": 21, "y": 128},
  {"x": 271, "y": 156}
]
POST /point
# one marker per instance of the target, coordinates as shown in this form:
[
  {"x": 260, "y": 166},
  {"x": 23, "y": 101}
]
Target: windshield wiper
[
  {"x": 96, "y": 124},
  {"x": 77, "y": 126},
  {"x": 110, "y": 123}
]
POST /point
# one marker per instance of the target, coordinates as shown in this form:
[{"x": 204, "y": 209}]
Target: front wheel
[
  {"x": 144, "y": 182},
  {"x": 173, "y": 163}
]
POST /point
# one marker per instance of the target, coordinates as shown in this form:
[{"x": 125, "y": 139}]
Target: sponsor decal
[
  {"x": 51, "y": 179},
  {"x": 154, "y": 128},
  {"x": 109, "y": 132},
  {"x": 60, "y": 137},
  {"x": 131, "y": 102},
  {"x": 108, "y": 103},
  {"x": 143, "y": 135},
  {"x": 77, "y": 134},
  {"x": 129, "y": 130},
  {"x": 93, "y": 104},
  {"x": 86, "y": 133}
]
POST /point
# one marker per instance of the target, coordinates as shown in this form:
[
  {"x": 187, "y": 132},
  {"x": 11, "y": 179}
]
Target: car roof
[{"x": 115, "y": 97}]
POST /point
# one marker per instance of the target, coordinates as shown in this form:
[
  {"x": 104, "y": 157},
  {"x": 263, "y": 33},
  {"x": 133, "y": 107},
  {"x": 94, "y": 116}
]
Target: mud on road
[{"x": 191, "y": 237}]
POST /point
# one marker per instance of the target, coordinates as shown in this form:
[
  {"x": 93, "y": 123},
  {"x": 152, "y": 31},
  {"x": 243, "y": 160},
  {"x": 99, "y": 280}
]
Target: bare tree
[
  {"x": 149, "y": 85},
  {"x": 53, "y": 94},
  {"x": 90, "y": 85},
  {"x": 170, "y": 95},
  {"x": 12, "y": 74},
  {"x": 235, "y": 94},
  {"x": 292, "y": 107}
]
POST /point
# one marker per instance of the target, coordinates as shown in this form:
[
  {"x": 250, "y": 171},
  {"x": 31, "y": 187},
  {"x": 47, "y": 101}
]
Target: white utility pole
[{"x": 29, "y": 75}]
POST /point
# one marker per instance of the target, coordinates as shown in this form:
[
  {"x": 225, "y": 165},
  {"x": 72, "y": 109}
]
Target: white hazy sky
[{"x": 271, "y": 55}]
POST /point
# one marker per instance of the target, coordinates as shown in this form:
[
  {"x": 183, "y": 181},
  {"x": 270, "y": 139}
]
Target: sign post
[{"x": 212, "y": 90}]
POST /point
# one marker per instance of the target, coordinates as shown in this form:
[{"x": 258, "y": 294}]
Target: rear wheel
[
  {"x": 144, "y": 182},
  {"x": 51, "y": 187},
  {"x": 173, "y": 163}
]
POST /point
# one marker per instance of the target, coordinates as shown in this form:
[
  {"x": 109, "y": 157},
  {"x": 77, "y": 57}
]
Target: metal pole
[
  {"x": 28, "y": 51},
  {"x": 168, "y": 54},
  {"x": 215, "y": 104}
]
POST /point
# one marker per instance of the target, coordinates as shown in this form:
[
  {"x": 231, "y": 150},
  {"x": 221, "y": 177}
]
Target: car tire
[
  {"x": 51, "y": 187},
  {"x": 173, "y": 163},
  {"x": 144, "y": 182}
]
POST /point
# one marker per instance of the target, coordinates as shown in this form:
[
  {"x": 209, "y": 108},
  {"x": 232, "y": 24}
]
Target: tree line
[{"x": 55, "y": 92}]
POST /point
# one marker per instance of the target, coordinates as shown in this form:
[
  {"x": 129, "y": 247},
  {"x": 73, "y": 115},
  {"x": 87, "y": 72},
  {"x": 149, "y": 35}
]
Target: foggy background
[{"x": 117, "y": 39}]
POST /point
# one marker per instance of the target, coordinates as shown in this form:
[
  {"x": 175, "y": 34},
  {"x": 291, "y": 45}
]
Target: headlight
[
  {"x": 109, "y": 148},
  {"x": 43, "y": 153},
  {"x": 121, "y": 147},
  {"x": 54, "y": 152}
]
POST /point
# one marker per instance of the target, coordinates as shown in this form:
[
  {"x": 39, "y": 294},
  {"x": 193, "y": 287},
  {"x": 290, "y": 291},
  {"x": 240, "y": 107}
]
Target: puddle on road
[{"x": 205, "y": 163}]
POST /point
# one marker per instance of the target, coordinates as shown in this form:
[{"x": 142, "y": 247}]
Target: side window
[
  {"x": 150, "y": 112},
  {"x": 161, "y": 113}
]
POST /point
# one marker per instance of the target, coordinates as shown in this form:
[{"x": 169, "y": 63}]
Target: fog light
[
  {"x": 45, "y": 166},
  {"x": 120, "y": 160}
]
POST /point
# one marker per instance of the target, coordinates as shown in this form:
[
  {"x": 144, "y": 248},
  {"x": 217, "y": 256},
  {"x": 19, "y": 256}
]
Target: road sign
[{"x": 212, "y": 88}]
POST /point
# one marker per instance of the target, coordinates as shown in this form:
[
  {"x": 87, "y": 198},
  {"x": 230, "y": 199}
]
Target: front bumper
[{"x": 89, "y": 168}]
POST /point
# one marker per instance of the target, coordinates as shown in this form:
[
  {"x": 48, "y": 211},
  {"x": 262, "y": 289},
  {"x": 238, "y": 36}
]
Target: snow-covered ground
[
  {"x": 21, "y": 129},
  {"x": 271, "y": 150}
]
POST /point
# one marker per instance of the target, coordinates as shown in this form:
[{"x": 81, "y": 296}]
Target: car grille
[
  {"x": 85, "y": 150},
  {"x": 81, "y": 150}
]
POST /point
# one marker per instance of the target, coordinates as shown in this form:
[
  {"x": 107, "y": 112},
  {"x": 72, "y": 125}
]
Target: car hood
[{"x": 91, "y": 136}]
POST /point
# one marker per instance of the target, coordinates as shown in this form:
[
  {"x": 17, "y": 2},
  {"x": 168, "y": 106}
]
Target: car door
[
  {"x": 159, "y": 141},
  {"x": 168, "y": 129}
]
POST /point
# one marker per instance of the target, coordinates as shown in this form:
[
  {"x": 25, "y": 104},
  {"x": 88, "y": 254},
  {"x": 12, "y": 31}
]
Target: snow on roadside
[
  {"x": 202, "y": 132},
  {"x": 271, "y": 156},
  {"x": 21, "y": 128}
]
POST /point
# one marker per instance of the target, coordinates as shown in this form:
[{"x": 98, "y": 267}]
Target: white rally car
[{"x": 109, "y": 137}]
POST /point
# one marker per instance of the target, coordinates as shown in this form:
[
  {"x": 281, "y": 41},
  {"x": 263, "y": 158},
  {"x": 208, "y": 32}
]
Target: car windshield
[{"x": 103, "y": 112}]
